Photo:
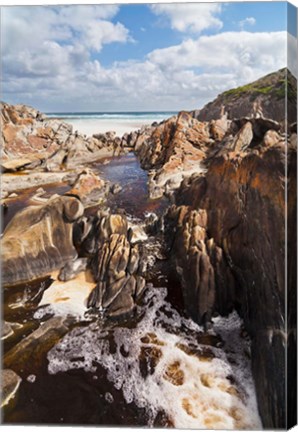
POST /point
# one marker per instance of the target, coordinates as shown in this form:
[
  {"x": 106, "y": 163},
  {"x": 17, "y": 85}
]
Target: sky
[{"x": 139, "y": 57}]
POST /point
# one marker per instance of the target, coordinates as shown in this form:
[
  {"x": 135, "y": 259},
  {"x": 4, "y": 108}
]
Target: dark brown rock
[
  {"x": 29, "y": 354},
  {"x": 230, "y": 241}
]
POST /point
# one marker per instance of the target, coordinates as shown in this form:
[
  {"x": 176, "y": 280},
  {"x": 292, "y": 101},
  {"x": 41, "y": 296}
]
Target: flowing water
[{"x": 157, "y": 368}]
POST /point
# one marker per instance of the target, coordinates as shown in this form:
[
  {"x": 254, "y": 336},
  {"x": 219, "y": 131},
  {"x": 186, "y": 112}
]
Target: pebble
[{"x": 109, "y": 398}]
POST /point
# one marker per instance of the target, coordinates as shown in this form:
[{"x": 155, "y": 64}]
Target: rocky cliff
[
  {"x": 265, "y": 96},
  {"x": 229, "y": 248},
  {"x": 226, "y": 229}
]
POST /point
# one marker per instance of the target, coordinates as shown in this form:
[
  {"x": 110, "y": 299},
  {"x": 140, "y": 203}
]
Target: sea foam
[{"x": 162, "y": 366}]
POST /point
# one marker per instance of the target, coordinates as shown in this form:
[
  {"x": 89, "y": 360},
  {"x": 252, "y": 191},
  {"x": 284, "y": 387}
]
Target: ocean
[{"x": 89, "y": 123}]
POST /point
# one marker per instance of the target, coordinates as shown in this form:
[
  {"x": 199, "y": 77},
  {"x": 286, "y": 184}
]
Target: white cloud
[
  {"x": 238, "y": 52},
  {"x": 249, "y": 21},
  {"x": 29, "y": 27},
  {"x": 192, "y": 17},
  {"x": 47, "y": 62}
]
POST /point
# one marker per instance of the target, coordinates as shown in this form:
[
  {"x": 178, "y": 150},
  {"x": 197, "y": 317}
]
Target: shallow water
[
  {"x": 157, "y": 368},
  {"x": 133, "y": 197}
]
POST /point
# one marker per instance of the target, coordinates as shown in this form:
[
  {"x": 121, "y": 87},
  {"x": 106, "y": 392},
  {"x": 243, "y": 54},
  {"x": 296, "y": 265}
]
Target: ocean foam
[{"x": 161, "y": 366}]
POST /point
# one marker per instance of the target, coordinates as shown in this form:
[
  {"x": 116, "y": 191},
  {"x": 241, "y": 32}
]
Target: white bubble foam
[
  {"x": 160, "y": 365},
  {"x": 31, "y": 378}
]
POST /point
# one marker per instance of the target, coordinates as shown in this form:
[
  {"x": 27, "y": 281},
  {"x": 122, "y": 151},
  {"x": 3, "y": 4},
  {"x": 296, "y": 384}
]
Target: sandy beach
[{"x": 93, "y": 126}]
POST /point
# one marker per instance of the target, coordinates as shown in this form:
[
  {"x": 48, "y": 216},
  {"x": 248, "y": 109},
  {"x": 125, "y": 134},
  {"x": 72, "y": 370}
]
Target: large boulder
[
  {"x": 27, "y": 133},
  {"x": 38, "y": 240}
]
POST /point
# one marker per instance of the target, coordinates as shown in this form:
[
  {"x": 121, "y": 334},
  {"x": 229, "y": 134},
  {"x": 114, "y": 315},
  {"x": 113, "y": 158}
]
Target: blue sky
[{"x": 138, "y": 57}]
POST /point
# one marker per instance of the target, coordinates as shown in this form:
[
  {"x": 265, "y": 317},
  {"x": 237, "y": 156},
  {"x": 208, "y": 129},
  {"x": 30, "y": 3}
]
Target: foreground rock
[
  {"x": 10, "y": 383},
  {"x": 16, "y": 182},
  {"x": 117, "y": 267},
  {"x": 28, "y": 354},
  {"x": 8, "y": 329},
  {"x": 38, "y": 240},
  {"x": 229, "y": 245},
  {"x": 69, "y": 297}
]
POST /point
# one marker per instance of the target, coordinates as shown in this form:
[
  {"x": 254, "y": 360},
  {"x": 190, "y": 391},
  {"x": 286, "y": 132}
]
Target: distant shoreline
[{"x": 121, "y": 123}]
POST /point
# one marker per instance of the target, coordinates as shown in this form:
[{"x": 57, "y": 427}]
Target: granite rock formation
[
  {"x": 38, "y": 240},
  {"x": 229, "y": 245},
  {"x": 10, "y": 383},
  {"x": 89, "y": 188},
  {"x": 116, "y": 268},
  {"x": 172, "y": 150},
  {"x": 31, "y": 140}
]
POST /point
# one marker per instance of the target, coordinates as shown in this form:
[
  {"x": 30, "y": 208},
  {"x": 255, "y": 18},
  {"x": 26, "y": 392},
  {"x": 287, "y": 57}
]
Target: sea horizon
[
  {"x": 111, "y": 114},
  {"x": 121, "y": 122}
]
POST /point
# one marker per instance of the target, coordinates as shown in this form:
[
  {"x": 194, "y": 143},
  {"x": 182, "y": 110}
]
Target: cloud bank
[{"x": 51, "y": 59}]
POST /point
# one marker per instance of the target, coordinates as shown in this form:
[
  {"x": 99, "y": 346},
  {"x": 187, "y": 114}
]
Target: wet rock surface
[
  {"x": 38, "y": 240},
  {"x": 25, "y": 357},
  {"x": 10, "y": 382},
  {"x": 226, "y": 260}
]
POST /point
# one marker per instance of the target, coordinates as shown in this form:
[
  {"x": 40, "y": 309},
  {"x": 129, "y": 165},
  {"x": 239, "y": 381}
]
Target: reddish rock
[
  {"x": 9, "y": 132},
  {"x": 37, "y": 143},
  {"x": 89, "y": 188}
]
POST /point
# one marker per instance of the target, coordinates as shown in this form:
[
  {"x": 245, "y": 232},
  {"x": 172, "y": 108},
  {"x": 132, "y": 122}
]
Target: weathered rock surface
[
  {"x": 38, "y": 240},
  {"x": 230, "y": 250},
  {"x": 207, "y": 280},
  {"x": 72, "y": 269},
  {"x": 173, "y": 149},
  {"x": 27, "y": 355},
  {"x": 30, "y": 140},
  {"x": 26, "y": 132},
  {"x": 8, "y": 329},
  {"x": 78, "y": 150},
  {"x": 89, "y": 188},
  {"x": 10, "y": 383},
  {"x": 69, "y": 297},
  {"x": 116, "y": 268},
  {"x": 16, "y": 182}
]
